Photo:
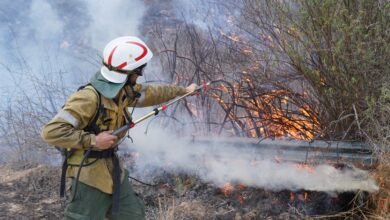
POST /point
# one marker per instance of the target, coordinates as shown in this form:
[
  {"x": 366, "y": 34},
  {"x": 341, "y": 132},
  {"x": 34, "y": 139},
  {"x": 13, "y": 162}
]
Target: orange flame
[
  {"x": 246, "y": 51},
  {"x": 276, "y": 120},
  {"x": 305, "y": 196},
  {"x": 227, "y": 189},
  {"x": 292, "y": 196},
  {"x": 384, "y": 204},
  {"x": 241, "y": 199},
  {"x": 234, "y": 37},
  {"x": 305, "y": 167},
  {"x": 382, "y": 181},
  {"x": 241, "y": 186}
]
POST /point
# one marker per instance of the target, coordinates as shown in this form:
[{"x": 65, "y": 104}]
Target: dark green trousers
[{"x": 93, "y": 204}]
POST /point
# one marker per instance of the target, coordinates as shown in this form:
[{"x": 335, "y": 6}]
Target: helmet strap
[
  {"x": 113, "y": 68},
  {"x": 137, "y": 71}
]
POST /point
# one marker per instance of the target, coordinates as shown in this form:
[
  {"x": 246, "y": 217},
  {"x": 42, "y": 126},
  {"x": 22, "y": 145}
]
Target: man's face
[{"x": 132, "y": 79}]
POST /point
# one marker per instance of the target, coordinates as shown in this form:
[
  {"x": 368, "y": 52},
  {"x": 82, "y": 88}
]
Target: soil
[{"x": 31, "y": 192}]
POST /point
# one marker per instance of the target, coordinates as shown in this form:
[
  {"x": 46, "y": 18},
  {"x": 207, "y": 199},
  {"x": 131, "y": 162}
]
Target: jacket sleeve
[
  {"x": 65, "y": 129},
  {"x": 154, "y": 94}
]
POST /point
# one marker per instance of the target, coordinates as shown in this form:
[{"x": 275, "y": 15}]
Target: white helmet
[{"x": 121, "y": 56}]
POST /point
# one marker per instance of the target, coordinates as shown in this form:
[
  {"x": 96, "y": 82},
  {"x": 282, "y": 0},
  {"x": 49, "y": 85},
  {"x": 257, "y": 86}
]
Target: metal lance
[{"x": 157, "y": 110}]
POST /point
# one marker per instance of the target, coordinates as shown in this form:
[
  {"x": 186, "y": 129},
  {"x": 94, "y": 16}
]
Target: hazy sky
[{"x": 42, "y": 36}]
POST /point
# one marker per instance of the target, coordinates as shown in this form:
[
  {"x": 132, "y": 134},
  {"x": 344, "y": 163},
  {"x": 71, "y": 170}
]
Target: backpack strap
[{"x": 91, "y": 127}]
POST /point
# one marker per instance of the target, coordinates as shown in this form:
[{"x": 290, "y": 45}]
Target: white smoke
[
  {"x": 43, "y": 37},
  {"x": 113, "y": 18},
  {"x": 46, "y": 20},
  {"x": 221, "y": 164},
  {"x": 49, "y": 35},
  {"x": 56, "y": 46}
]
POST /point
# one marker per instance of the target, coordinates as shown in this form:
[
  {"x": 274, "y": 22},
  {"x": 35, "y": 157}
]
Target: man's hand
[
  {"x": 105, "y": 140},
  {"x": 191, "y": 88}
]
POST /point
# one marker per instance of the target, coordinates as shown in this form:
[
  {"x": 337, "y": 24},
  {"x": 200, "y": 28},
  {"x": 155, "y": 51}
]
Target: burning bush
[{"x": 301, "y": 69}]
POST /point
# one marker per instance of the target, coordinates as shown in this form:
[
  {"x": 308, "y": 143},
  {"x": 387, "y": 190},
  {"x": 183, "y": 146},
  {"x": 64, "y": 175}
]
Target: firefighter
[{"x": 98, "y": 184}]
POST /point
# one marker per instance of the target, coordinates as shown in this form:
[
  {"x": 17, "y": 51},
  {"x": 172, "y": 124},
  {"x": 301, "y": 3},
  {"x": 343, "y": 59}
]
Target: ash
[{"x": 181, "y": 196}]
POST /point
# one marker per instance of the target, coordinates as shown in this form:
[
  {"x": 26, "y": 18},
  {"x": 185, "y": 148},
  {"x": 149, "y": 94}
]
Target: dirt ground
[{"x": 31, "y": 192}]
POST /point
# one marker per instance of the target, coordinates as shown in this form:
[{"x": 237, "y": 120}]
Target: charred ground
[{"x": 31, "y": 192}]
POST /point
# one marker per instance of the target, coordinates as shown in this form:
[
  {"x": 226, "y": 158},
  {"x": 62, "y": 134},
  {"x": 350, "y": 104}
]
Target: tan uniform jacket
[{"x": 66, "y": 128}]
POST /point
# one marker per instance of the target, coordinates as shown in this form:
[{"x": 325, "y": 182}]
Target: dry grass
[
  {"x": 168, "y": 209},
  {"x": 380, "y": 201},
  {"x": 29, "y": 192}
]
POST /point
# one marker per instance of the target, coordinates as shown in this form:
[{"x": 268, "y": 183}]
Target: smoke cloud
[
  {"x": 44, "y": 37},
  {"x": 113, "y": 18},
  {"x": 221, "y": 164}
]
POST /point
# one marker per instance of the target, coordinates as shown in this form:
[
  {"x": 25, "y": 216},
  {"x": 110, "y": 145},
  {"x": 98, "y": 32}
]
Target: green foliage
[{"x": 342, "y": 49}]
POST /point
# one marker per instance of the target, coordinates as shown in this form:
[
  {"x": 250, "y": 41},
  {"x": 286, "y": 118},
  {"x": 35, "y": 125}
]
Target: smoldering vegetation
[
  {"x": 219, "y": 162},
  {"x": 308, "y": 70}
]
